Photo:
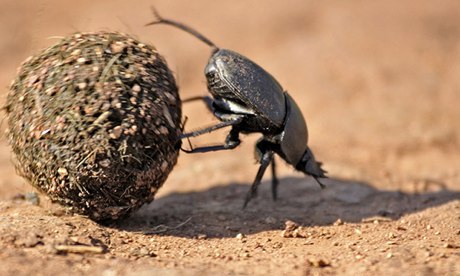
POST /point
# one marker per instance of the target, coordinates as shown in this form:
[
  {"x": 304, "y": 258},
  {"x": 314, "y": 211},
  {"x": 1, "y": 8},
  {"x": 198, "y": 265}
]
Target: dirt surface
[{"x": 378, "y": 84}]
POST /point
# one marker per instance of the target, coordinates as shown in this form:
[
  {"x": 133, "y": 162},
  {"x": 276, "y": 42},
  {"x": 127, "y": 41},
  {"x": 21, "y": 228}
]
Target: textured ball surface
[{"x": 94, "y": 123}]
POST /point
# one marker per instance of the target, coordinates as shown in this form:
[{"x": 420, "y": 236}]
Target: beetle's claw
[
  {"x": 186, "y": 150},
  {"x": 250, "y": 195}
]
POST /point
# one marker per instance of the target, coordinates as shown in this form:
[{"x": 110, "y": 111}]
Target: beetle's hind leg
[
  {"x": 265, "y": 153},
  {"x": 263, "y": 146},
  {"x": 265, "y": 160},
  {"x": 275, "y": 181}
]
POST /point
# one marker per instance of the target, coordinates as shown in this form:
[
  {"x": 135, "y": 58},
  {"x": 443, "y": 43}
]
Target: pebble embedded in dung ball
[{"x": 94, "y": 123}]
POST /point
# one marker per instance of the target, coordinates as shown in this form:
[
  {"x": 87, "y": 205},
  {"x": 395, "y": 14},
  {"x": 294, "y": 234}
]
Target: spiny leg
[
  {"x": 264, "y": 162},
  {"x": 231, "y": 142},
  {"x": 212, "y": 128},
  {"x": 263, "y": 146},
  {"x": 275, "y": 181}
]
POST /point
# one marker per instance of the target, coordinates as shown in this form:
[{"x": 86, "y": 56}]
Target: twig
[
  {"x": 79, "y": 249},
  {"x": 107, "y": 68},
  {"x": 376, "y": 219},
  {"x": 165, "y": 228}
]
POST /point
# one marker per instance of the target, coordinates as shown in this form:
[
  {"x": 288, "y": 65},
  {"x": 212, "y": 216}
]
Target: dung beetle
[{"x": 250, "y": 100}]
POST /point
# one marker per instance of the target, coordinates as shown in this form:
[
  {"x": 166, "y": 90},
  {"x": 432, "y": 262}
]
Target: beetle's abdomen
[{"x": 294, "y": 138}]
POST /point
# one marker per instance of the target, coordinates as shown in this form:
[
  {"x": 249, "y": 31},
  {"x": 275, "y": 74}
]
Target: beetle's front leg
[
  {"x": 206, "y": 99},
  {"x": 231, "y": 142},
  {"x": 233, "y": 138}
]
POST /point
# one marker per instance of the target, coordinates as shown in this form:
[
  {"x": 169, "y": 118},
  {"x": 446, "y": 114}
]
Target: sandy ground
[{"x": 378, "y": 83}]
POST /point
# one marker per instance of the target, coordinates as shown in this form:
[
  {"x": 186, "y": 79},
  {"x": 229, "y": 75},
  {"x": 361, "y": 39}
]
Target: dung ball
[{"x": 94, "y": 123}]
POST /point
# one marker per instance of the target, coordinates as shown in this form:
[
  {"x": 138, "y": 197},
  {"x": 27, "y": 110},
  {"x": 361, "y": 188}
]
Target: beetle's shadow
[{"x": 217, "y": 212}]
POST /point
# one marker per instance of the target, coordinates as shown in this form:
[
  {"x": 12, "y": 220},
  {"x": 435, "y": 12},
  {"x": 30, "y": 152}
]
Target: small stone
[
  {"x": 163, "y": 130},
  {"x": 240, "y": 236},
  {"x": 75, "y": 52},
  {"x": 82, "y": 85},
  {"x": 164, "y": 166},
  {"x": 202, "y": 236},
  {"x": 32, "y": 198},
  {"x": 136, "y": 88},
  {"x": 117, "y": 47},
  {"x": 338, "y": 222},
  {"x": 285, "y": 234},
  {"x": 291, "y": 225},
  {"x": 116, "y": 132},
  {"x": 144, "y": 252},
  {"x": 63, "y": 172},
  {"x": 105, "y": 163}
]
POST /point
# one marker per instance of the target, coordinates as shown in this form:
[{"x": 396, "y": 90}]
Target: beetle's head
[{"x": 310, "y": 166}]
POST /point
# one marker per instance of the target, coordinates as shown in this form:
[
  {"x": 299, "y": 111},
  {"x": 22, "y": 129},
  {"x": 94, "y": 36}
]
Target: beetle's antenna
[{"x": 195, "y": 33}]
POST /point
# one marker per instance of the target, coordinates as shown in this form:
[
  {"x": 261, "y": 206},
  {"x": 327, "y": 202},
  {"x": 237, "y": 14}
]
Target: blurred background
[{"x": 378, "y": 81}]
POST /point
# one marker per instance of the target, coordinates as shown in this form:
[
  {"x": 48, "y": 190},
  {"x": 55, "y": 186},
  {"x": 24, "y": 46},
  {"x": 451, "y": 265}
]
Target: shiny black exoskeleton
[{"x": 250, "y": 100}]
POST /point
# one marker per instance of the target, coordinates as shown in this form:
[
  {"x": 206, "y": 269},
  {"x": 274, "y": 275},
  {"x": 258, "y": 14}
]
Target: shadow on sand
[{"x": 217, "y": 212}]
